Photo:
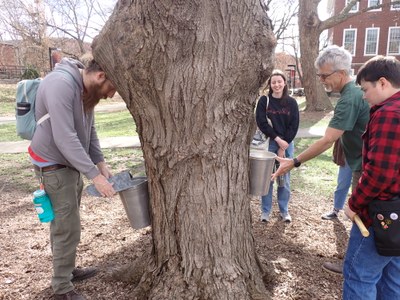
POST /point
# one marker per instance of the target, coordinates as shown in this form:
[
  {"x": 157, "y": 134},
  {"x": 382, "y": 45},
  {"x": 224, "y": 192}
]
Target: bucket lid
[
  {"x": 261, "y": 154},
  {"x": 121, "y": 181}
]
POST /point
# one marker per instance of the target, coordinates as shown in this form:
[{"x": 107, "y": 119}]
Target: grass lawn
[
  {"x": 317, "y": 176},
  {"x": 108, "y": 124},
  {"x": 115, "y": 124},
  {"x": 17, "y": 169},
  {"x": 7, "y": 99},
  {"x": 120, "y": 123}
]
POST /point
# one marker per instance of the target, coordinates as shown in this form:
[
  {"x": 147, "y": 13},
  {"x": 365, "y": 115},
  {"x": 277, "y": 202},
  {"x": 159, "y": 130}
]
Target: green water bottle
[{"x": 43, "y": 206}]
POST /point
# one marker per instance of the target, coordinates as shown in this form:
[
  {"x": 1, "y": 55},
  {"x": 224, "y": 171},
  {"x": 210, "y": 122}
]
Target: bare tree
[
  {"x": 284, "y": 21},
  {"x": 27, "y": 22},
  {"x": 189, "y": 72},
  {"x": 80, "y": 20},
  {"x": 24, "y": 21},
  {"x": 311, "y": 27},
  {"x": 283, "y": 14}
]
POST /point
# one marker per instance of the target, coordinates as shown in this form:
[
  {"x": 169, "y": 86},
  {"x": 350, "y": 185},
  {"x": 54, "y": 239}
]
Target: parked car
[{"x": 297, "y": 92}]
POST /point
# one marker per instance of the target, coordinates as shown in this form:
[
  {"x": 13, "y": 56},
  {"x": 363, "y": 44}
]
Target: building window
[
  {"x": 371, "y": 41},
  {"x": 349, "y": 40},
  {"x": 394, "y": 41},
  {"x": 354, "y": 8},
  {"x": 374, "y": 3},
  {"x": 395, "y": 6}
]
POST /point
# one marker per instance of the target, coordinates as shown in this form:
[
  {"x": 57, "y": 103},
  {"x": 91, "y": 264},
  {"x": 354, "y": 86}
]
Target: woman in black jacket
[{"x": 282, "y": 112}]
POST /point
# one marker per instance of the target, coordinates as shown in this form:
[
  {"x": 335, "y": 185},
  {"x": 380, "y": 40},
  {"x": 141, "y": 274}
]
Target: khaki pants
[{"x": 64, "y": 187}]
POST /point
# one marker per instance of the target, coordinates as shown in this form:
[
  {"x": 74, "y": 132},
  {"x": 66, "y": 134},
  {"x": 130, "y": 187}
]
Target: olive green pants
[{"x": 64, "y": 187}]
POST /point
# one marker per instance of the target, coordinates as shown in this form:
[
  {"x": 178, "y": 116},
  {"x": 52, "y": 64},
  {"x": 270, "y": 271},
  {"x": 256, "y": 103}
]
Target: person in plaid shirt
[{"x": 367, "y": 274}]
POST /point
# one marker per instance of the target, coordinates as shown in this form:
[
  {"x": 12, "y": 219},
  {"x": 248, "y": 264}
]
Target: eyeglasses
[{"x": 325, "y": 76}]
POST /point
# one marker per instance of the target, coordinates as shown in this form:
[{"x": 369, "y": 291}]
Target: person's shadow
[{"x": 342, "y": 237}]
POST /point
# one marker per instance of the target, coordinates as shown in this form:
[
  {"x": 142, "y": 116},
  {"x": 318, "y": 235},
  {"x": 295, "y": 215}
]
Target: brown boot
[
  {"x": 335, "y": 268},
  {"x": 71, "y": 295},
  {"x": 79, "y": 274}
]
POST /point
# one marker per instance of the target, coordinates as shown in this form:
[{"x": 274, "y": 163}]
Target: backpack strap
[
  {"x": 25, "y": 94},
  {"x": 42, "y": 119}
]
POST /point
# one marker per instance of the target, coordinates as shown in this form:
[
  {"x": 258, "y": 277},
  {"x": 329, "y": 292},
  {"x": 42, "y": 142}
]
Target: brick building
[
  {"x": 375, "y": 32},
  {"x": 9, "y": 60},
  {"x": 8, "y": 54}
]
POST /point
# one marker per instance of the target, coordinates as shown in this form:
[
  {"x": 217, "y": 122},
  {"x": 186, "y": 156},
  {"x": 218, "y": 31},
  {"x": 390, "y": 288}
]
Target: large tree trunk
[
  {"x": 189, "y": 72},
  {"x": 309, "y": 28}
]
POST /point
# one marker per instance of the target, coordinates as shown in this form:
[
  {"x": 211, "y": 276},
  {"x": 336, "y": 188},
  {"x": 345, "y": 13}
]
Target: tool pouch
[{"x": 386, "y": 224}]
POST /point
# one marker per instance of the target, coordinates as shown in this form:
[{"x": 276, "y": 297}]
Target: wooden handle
[{"x": 361, "y": 226}]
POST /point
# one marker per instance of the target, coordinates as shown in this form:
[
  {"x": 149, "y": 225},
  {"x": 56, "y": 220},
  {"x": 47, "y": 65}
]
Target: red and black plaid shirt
[{"x": 380, "y": 177}]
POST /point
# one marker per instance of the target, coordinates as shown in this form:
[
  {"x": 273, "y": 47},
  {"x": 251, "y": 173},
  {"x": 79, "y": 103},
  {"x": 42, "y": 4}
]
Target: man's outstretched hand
[{"x": 285, "y": 165}]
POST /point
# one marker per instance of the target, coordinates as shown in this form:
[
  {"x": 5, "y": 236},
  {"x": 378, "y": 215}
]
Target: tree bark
[
  {"x": 189, "y": 72},
  {"x": 309, "y": 27}
]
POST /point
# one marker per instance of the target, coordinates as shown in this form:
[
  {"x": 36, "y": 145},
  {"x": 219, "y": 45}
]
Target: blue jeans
[
  {"x": 283, "y": 192},
  {"x": 343, "y": 185},
  {"x": 368, "y": 275}
]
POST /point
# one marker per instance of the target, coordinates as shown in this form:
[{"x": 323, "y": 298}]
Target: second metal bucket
[
  {"x": 136, "y": 203},
  {"x": 261, "y": 168}
]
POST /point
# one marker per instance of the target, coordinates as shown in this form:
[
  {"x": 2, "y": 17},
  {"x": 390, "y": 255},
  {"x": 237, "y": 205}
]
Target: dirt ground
[{"x": 295, "y": 251}]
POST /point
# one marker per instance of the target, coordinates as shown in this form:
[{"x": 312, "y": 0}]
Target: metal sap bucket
[
  {"x": 261, "y": 168},
  {"x": 136, "y": 203}
]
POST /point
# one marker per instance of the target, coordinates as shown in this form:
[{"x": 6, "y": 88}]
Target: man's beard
[{"x": 91, "y": 101}]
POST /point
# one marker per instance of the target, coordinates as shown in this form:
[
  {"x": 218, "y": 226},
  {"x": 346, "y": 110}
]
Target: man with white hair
[{"x": 348, "y": 123}]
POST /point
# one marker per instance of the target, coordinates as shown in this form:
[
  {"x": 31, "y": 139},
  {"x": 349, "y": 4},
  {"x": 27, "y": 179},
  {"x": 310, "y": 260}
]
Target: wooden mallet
[{"x": 361, "y": 226}]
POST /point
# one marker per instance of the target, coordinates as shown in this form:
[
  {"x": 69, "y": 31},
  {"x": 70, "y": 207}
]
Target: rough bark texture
[
  {"x": 310, "y": 30},
  {"x": 189, "y": 72}
]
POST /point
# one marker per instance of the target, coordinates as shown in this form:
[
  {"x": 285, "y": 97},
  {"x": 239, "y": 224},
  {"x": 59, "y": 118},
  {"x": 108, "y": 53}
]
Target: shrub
[{"x": 30, "y": 73}]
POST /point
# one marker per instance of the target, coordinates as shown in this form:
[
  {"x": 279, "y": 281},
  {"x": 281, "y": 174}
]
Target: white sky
[{"x": 322, "y": 13}]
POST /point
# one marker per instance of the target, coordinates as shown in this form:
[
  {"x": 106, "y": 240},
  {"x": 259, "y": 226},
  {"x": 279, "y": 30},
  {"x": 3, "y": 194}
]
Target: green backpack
[{"x": 25, "y": 106}]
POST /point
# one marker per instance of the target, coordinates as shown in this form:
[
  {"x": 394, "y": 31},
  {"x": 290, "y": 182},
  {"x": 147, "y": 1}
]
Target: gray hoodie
[{"x": 68, "y": 137}]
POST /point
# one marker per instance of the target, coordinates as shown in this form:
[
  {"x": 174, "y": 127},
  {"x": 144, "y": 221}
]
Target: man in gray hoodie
[{"x": 63, "y": 147}]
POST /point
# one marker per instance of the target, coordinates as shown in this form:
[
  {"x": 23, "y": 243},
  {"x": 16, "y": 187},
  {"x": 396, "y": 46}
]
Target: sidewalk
[
  {"x": 119, "y": 106},
  {"x": 111, "y": 142}
]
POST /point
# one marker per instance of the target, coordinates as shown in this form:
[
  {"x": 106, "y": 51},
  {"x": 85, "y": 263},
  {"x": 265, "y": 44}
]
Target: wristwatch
[{"x": 296, "y": 162}]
